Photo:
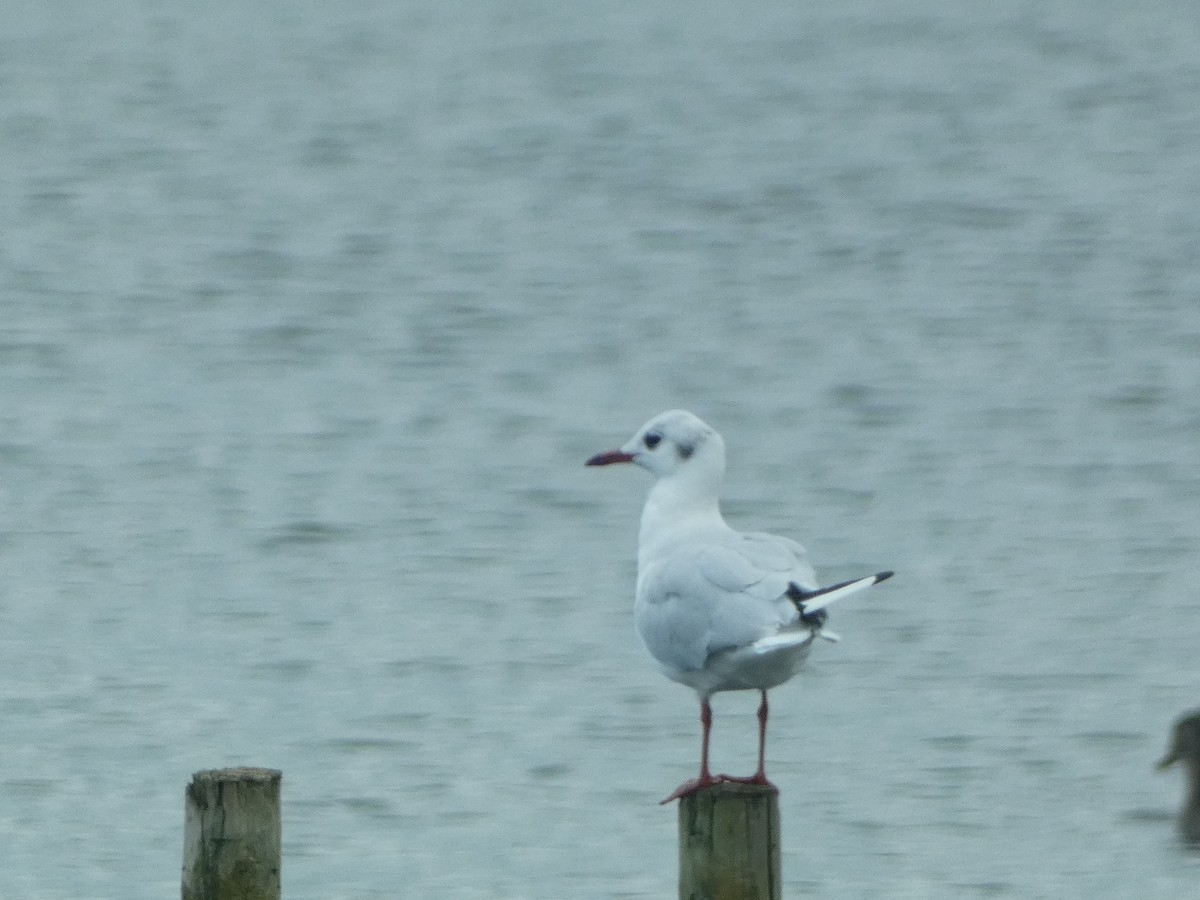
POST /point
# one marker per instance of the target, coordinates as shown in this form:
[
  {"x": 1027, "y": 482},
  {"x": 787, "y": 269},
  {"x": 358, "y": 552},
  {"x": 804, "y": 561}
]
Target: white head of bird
[{"x": 686, "y": 457}]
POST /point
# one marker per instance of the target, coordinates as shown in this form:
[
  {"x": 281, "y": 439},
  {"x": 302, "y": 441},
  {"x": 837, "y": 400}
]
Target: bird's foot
[
  {"x": 692, "y": 785},
  {"x": 695, "y": 784},
  {"x": 756, "y": 778}
]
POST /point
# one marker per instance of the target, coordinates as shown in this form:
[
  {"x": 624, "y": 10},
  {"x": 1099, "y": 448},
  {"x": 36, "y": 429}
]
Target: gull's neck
[{"x": 683, "y": 501}]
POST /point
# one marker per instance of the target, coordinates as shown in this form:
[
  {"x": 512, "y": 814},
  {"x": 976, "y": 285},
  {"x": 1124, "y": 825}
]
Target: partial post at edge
[
  {"x": 232, "y": 835},
  {"x": 729, "y": 843}
]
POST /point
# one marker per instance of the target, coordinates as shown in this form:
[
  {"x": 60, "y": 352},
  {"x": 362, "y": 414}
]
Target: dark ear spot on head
[{"x": 686, "y": 450}]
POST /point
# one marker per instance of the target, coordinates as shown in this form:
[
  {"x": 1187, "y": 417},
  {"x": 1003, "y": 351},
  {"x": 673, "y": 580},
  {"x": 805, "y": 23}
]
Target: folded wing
[{"x": 716, "y": 595}]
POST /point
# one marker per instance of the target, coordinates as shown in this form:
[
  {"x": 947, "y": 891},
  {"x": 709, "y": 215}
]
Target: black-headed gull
[
  {"x": 1185, "y": 748},
  {"x": 718, "y": 609}
]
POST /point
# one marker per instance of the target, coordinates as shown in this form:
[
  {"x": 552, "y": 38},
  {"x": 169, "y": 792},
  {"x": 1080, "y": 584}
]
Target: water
[{"x": 312, "y": 314}]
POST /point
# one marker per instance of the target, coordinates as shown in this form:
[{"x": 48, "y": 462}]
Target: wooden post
[
  {"x": 231, "y": 835},
  {"x": 729, "y": 843}
]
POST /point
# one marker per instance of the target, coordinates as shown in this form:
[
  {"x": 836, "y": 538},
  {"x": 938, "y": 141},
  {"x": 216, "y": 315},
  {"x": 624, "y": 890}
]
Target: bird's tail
[{"x": 812, "y": 602}]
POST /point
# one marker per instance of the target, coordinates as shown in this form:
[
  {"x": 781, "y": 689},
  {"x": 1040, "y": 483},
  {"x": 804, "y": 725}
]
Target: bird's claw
[{"x": 692, "y": 785}]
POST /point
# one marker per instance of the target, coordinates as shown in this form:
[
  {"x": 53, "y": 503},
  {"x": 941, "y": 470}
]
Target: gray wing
[
  {"x": 717, "y": 595},
  {"x": 778, "y": 558}
]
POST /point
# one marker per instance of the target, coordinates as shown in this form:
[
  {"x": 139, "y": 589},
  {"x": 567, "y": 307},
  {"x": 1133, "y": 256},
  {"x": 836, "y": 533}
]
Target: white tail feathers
[
  {"x": 782, "y": 640},
  {"x": 812, "y": 601}
]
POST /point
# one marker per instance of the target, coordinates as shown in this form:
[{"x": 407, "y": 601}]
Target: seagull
[
  {"x": 718, "y": 610},
  {"x": 1185, "y": 748}
]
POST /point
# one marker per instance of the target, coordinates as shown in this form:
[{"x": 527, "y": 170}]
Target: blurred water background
[{"x": 310, "y": 314}]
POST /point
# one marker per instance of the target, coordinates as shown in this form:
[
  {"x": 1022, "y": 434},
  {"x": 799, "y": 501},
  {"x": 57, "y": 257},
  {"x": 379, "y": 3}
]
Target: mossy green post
[
  {"x": 231, "y": 835},
  {"x": 729, "y": 843}
]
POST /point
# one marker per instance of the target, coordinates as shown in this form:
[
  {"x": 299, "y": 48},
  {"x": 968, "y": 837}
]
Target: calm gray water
[{"x": 311, "y": 314}]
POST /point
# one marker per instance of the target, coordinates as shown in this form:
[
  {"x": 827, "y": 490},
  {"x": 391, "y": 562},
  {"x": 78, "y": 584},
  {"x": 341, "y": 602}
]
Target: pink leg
[
  {"x": 705, "y": 778},
  {"x": 706, "y": 727},
  {"x": 760, "y": 775}
]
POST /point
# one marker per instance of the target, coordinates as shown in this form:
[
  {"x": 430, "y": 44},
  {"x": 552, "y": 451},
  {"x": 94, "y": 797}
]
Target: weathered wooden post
[
  {"x": 729, "y": 843},
  {"x": 231, "y": 835}
]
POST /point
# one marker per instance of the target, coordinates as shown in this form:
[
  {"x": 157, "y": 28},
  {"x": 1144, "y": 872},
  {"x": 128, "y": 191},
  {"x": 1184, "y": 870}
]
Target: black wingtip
[{"x": 883, "y": 576}]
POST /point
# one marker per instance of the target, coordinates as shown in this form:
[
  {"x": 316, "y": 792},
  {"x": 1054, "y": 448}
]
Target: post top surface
[{"x": 238, "y": 773}]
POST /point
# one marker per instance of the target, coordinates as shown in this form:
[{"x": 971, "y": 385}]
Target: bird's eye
[{"x": 652, "y": 439}]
